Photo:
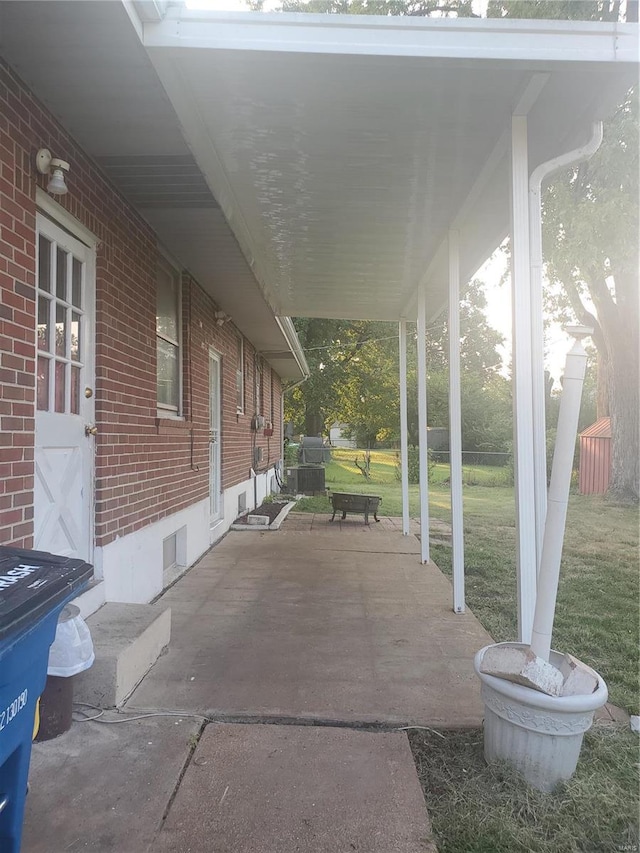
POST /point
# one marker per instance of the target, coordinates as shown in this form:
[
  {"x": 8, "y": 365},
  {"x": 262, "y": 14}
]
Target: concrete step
[
  {"x": 91, "y": 599},
  {"x": 127, "y": 639}
]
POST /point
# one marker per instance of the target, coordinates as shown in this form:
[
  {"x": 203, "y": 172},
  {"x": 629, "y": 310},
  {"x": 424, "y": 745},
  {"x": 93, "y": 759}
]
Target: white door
[
  {"x": 214, "y": 437},
  {"x": 64, "y": 451}
]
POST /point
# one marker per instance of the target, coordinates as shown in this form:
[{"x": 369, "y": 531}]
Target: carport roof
[
  {"x": 343, "y": 148},
  {"x": 312, "y": 165}
]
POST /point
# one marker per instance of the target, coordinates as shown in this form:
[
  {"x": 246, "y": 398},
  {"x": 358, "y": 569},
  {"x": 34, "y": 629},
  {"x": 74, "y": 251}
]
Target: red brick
[{"x": 142, "y": 473}]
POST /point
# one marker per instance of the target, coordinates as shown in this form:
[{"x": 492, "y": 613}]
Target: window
[
  {"x": 259, "y": 405},
  {"x": 240, "y": 376},
  {"x": 168, "y": 338},
  {"x": 271, "y": 411}
]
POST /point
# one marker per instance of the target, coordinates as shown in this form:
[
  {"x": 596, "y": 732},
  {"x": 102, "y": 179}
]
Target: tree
[
  {"x": 355, "y": 368},
  {"x": 421, "y": 8},
  {"x": 590, "y": 236},
  {"x": 562, "y": 10},
  {"x": 311, "y": 405},
  {"x": 368, "y": 393},
  {"x": 485, "y": 393},
  {"x": 591, "y": 224},
  {"x": 591, "y": 251}
]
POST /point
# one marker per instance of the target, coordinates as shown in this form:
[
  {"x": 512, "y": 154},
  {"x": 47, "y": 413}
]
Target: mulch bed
[{"x": 273, "y": 510}]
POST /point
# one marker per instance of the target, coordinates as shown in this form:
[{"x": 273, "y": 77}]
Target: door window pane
[
  {"x": 75, "y": 390},
  {"x": 43, "y": 323},
  {"x": 44, "y": 264},
  {"x": 61, "y": 330},
  {"x": 43, "y": 384},
  {"x": 76, "y": 332},
  {"x": 60, "y": 386},
  {"x": 61, "y": 273},
  {"x": 168, "y": 385},
  {"x": 76, "y": 284}
]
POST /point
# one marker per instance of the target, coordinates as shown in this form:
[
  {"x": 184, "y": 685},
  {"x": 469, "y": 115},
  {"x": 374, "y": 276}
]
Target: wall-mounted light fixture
[
  {"x": 48, "y": 165},
  {"x": 221, "y": 318}
]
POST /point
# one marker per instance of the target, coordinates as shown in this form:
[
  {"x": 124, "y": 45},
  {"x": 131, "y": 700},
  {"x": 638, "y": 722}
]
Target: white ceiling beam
[{"x": 460, "y": 39}]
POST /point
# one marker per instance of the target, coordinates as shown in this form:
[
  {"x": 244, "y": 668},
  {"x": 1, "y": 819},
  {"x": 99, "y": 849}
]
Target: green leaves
[{"x": 355, "y": 379}]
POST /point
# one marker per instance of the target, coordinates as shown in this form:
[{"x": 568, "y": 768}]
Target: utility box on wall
[{"x": 305, "y": 480}]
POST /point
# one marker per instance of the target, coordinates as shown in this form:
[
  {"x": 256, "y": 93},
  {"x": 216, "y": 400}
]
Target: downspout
[{"x": 539, "y": 174}]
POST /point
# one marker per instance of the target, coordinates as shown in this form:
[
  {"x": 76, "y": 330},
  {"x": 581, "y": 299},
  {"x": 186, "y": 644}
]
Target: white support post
[
  {"x": 455, "y": 424},
  {"x": 537, "y": 370},
  {"x": 526, "y": 552},
  {"x": 559, "y": 494},
  {"x": 422, "y": 427},
  {"x": 404, "y": 443}
]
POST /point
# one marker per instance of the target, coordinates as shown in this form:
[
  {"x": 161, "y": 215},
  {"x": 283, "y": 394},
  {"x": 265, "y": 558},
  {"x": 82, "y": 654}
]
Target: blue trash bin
[{"x": 34, "y": 587}]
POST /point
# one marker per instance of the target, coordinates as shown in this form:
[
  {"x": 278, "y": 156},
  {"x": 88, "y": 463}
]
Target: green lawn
[{"x": 475, "y": 808}]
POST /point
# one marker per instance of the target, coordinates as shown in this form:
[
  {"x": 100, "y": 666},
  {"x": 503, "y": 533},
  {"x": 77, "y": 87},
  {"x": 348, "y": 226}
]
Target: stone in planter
[{"x": 539, "y": 735}]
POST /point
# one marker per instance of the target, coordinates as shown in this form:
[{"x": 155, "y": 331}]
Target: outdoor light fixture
[
  {"x": 48, "y": 165},
  {"x": 221, "y": 318}
]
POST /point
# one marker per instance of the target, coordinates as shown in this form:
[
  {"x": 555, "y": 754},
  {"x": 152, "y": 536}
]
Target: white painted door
[
  {"x": 214, "y": 437},
  {"x": 64, "y": 452}
]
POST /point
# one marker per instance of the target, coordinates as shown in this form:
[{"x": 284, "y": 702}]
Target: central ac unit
[{"x": 305, "y": 480}]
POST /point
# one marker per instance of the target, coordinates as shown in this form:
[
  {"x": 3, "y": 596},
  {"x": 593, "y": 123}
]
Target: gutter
[
  {"x": 291, "y": 336},
  {"x": 539, "y": 174}
]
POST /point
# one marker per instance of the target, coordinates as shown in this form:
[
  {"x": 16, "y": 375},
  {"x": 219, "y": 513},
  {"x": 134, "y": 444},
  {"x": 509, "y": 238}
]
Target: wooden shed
[{"x": 595, "y": 458}]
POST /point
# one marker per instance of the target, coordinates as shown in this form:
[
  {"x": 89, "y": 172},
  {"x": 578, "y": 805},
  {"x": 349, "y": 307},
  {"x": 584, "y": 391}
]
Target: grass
[
  {"x": 341, "y": 474},
  {"x": 476, "y": 808},
  {"x": 597, "y": 608}
]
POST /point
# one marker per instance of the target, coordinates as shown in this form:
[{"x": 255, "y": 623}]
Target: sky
[{"x": 557, "y": 342}]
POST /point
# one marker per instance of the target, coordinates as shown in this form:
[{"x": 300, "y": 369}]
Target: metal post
[
  {"x": 537, "y": 372},
  {"x": 455, "y": 424},
  {"x": 422, "y": 427},
  {"x": 559, "y": 494},
  {"x": 404, "y": 444},
  {"x": 526, "y": 554}
]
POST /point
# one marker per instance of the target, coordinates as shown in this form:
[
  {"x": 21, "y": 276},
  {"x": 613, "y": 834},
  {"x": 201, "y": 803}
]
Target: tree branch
[
  {"x": 586, "y": 317},
  {"x": 603, "y": 300}
]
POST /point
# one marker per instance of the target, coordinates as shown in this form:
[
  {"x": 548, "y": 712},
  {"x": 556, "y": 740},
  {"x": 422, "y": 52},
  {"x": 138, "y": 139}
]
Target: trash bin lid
[{"x": 32, "y": 583}]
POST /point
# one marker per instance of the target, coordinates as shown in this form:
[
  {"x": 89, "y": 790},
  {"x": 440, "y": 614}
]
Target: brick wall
[
  {"x": 146, "y": 467},
  {"x": 17, "y": 319}
]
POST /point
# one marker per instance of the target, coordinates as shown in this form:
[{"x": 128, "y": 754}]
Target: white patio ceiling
[
  {"x": 304, "y": 165},
  {"x": 342, "y": 149}
]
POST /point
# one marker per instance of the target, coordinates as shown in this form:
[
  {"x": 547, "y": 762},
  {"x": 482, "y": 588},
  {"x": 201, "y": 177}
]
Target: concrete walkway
[
  {"x": 316, "y": 623},
  {"x": 336, "y": 626}
]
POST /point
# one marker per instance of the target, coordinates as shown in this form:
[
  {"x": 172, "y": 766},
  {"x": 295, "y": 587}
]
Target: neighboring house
[
  {"x": 138, "y": 418},
  {"x": 337, "y": 437}
]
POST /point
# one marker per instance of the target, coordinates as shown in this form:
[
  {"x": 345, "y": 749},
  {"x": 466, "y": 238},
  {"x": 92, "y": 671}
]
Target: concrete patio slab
[
  {"x": 278, "y": 789},
  {"x": 353, "y": 534},
  {"x": 305, "y": 625},
  {"x": 105, "y": 788}
]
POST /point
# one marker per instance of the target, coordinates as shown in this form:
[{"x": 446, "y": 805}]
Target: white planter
[{"x": 539, "y": 735}]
